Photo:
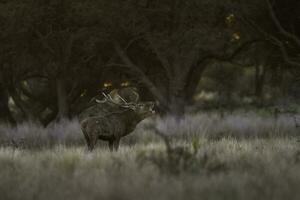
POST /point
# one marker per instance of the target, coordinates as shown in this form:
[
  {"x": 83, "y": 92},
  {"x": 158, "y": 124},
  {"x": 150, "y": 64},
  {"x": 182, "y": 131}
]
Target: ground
[{"x": 228, "y": 166}]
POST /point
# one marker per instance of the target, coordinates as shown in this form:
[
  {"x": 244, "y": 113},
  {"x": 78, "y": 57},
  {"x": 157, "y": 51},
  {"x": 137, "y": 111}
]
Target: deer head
[
  {"x": 129, "y": 94},
  {"x": 143, "y": 109}
]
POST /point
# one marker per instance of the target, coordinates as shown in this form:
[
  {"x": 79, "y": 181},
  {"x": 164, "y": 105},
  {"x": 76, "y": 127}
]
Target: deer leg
[
  {"x": 87, "y": 139},
  {"x": 116, "y": 144},
  {"x": 93, "y": 141},
  {"x": 111, "y": 145}
]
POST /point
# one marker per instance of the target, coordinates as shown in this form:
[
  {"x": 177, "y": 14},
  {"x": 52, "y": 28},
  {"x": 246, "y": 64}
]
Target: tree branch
[
  {"x": 164, "y": 62},
  {"x": 236, "y": 52},
  {"x": 143, "y": 77},
  {"x": 279, "y": 26},
  {"x": 287, "y": 58},
  {"x": 285, "y": 54},
  {"x": 43, "y": 40}
]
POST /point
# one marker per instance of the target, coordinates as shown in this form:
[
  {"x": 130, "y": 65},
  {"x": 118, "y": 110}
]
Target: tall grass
[
  {"x": 208, "y": 125},
  {"x": 32, "y": 135},
  {"x": 241, "y": 156},
  {"x": 241, "y": 125},
  {"x": 224, "y": 169}
]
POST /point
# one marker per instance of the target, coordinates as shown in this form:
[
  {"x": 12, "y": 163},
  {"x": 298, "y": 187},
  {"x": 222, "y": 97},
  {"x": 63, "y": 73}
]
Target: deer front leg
[
  {"x": 92, "y": 140},
  {"x": 111, "y": 145},
  {"x": 87, "y": 139}
]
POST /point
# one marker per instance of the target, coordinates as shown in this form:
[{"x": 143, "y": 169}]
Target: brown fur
[{"x": 113, "y": 126}]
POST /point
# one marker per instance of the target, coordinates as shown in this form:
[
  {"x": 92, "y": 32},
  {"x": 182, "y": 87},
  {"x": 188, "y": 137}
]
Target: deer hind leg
[
  {"x": 116, "y": 144},
  {"x": 113, "y": 144}
]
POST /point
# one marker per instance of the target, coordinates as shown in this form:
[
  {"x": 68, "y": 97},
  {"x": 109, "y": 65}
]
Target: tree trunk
[
  {"x": 177, "y": 96},
  {"x": 259, "y": 82},
  {"x": 5, "y": 114},
  {"x": 24, "y": 107},
  {"x": 182, "y": 89},
  {"x": 193, "y": 79},
  {"x": 49, "y": 118},
  {"x": 62, "y": 99},
  {"x": 177, "y": 106}
]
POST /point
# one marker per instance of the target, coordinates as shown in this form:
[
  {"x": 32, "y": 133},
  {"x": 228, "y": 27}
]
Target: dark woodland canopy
[{"x": 56, "y": 55}]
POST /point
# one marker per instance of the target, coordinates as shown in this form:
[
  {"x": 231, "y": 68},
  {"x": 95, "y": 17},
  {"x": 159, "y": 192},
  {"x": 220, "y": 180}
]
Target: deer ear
[
  {"x": 152, "y": 105},
  {"x": 134, "y": 108}
]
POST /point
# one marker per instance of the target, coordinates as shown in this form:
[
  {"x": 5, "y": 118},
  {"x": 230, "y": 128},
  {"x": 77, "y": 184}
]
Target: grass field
[{"x": 241, "y": 156}]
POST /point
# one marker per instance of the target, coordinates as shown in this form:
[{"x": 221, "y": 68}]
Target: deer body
[{"x": 111, "y": 126}]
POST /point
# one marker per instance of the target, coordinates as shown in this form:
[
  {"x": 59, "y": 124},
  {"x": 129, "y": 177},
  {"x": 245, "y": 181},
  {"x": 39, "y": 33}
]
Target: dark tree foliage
[{"x": 56, "y": 55}]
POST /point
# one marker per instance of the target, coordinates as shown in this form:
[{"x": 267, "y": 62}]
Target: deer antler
[
  {"x": 99, "y": 101},
  {"x": 122, "y": 99},
  {"x": 111, "y": 100},
  {"x": 137, "y": 96}
]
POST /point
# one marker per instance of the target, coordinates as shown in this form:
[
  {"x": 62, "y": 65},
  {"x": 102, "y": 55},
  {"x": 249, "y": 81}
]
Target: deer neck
[{"x": 133, "y": 118}]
